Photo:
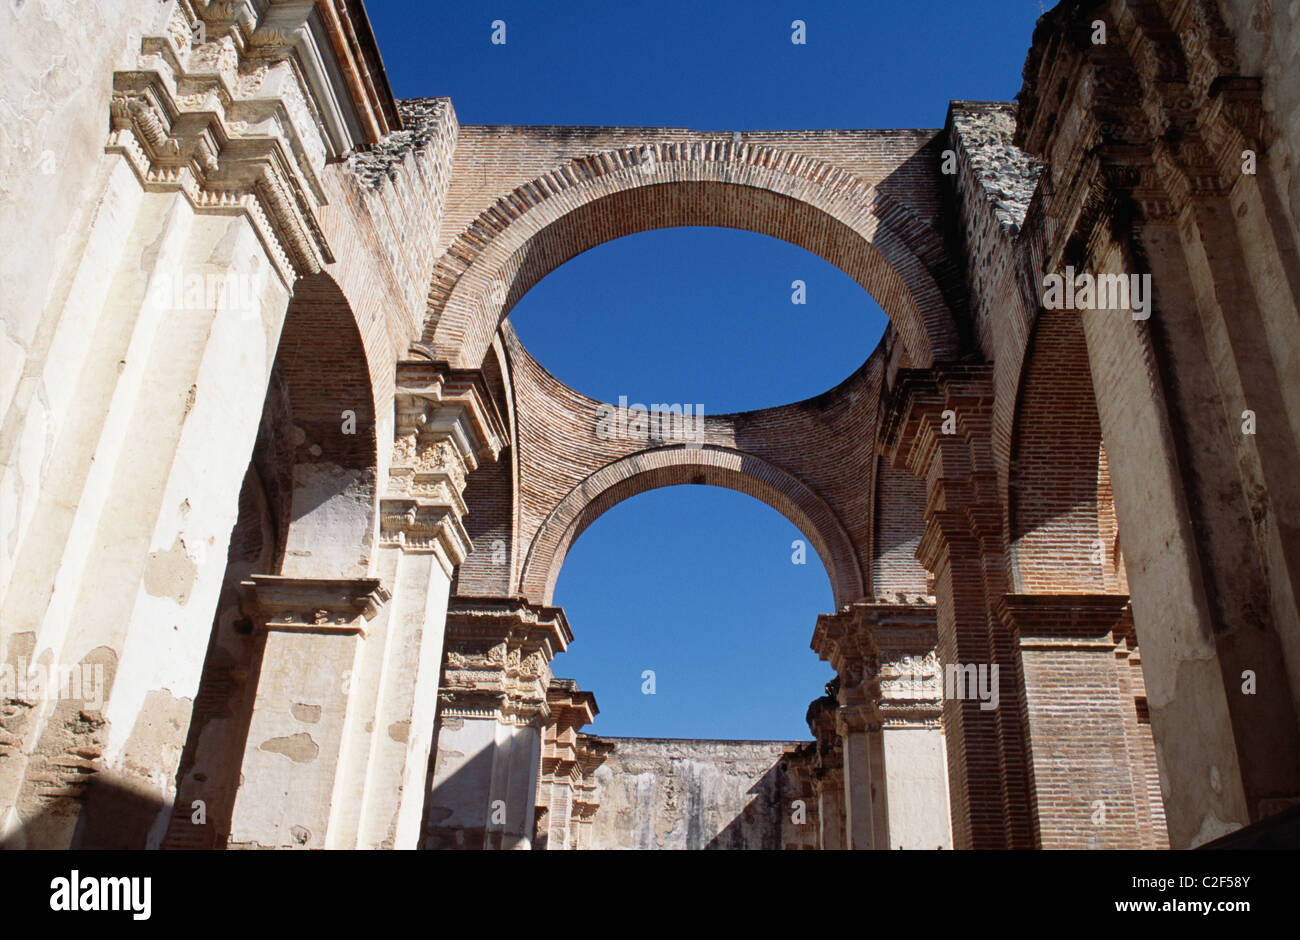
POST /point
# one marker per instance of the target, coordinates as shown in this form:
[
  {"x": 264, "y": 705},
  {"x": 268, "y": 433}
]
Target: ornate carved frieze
[
  {"x": 1157, "y": 115},
  {"x": 887, "y": 667}
]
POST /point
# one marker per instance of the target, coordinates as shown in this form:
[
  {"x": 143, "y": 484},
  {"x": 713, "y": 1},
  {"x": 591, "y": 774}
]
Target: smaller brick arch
[{"x": 673, "y": 466}]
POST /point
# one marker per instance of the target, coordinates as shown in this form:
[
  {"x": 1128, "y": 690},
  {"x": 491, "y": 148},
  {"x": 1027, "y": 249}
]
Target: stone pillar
[
  {"x": 859, "y": 729},
  {"x": 1084, "y": 770},
  {"x": 827, "y": 772},
  {"x": 839, "y": 640},
  {"x": 801, "y": 784},
  {"x": 939, "y": 426},
  {"x": 290, "y": 778},
  {"x": 445, "y": 425},
  {"x": 491, "y": 708},
  {"x": 162, "y": 338},
  {"x": 561, "y": 773},
  {"x": 911, "y": 715},
  {"x": 889, "y": 694}
]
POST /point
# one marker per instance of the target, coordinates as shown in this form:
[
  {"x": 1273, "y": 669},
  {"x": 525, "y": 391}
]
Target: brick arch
[
  {"x": 825, "y": 210},
  {"x": 1059, "y": 500},
  {"x": 334, "y": 470},
  {"x": 673, "y": 466}
]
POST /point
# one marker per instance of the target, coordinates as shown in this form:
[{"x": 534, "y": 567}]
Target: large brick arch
[
  {"x": 541, "y": 224},
  {"x": 677, "y": 465}
]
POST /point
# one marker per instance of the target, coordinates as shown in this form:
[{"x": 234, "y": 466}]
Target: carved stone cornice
[
  {"x": 427, "y": 525},
  {"x": 951, "y": 452},
  {"x": 497, "y": 661},
  {"x": 234, "y": 105},
  {"x": 436, "y": 404},
  {"x": 840, "y": 640},
  {"x": 311, "y": 605},
  {"x": 1166, "y": 83},
  {"x": 570, "y": 709}
]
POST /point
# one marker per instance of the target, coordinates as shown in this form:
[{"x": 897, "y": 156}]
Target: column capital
[
  {"x": 1064, "y": 621},
  {"x": 498, "y": 655},
  {"x": 884, "y": 655},
  {"x": 437, "y": 402},
  {"x": 446, "y": 425},
  {"x": 311, "y": 605},
  {"x": 914, "y": 423},
  {"x": 236, "y": 105},
  {"x": 859, "y": 717}
]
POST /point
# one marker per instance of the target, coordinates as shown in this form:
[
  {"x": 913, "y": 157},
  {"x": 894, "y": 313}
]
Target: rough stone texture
[{"x": 658, "y": 793}]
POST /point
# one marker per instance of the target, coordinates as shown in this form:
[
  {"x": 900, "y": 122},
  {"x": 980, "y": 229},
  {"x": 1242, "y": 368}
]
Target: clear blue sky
[{"x": 697, "y": 583}]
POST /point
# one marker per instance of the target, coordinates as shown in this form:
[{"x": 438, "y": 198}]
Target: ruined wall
[{"x": 662, "y": 793}]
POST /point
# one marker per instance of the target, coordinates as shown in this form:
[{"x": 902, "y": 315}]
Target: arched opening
[
  {"x": 873, "y": 238},
  {"x": 693, "y": 608},
  {"x": 1070, "y": 609},
  {"x": 715, "y": 596},
  {"x": 726, "y": 318},
  {"x": 307, "y": 507}
]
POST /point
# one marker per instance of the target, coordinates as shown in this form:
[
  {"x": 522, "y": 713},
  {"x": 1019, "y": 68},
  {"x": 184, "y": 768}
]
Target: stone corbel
[{"x": 437, "y": 402}]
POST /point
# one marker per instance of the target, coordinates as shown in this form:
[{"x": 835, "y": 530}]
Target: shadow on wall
[
  {"x": 105, "y": 814},
  {"x": 759, "y": 825}
]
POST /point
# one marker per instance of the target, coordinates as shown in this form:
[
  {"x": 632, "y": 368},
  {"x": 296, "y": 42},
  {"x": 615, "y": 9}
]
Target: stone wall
[{"x": 664, "y": 793}]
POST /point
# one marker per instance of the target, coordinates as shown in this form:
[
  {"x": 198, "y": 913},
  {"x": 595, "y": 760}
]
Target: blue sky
[{"x": 697, "y": 583}]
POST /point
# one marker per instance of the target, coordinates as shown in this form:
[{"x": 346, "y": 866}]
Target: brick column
[
  {"x": 1147, "y": 150},
  {"x": 939, "y": 426},
  {"x": 1078, "y": 718},
  {"x": 492, "y": 705}
]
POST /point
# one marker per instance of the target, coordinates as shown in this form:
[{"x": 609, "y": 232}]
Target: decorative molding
[
  {"x": 446, "y": 423},
  {"x": 312, "y": 605},
  {"x": 238, "y": 106}
]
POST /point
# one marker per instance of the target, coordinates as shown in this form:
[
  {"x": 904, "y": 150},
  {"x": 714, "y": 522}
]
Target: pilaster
[
  {"x": 938, "y": 425},
  {"x": 492, "y": 706}
]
